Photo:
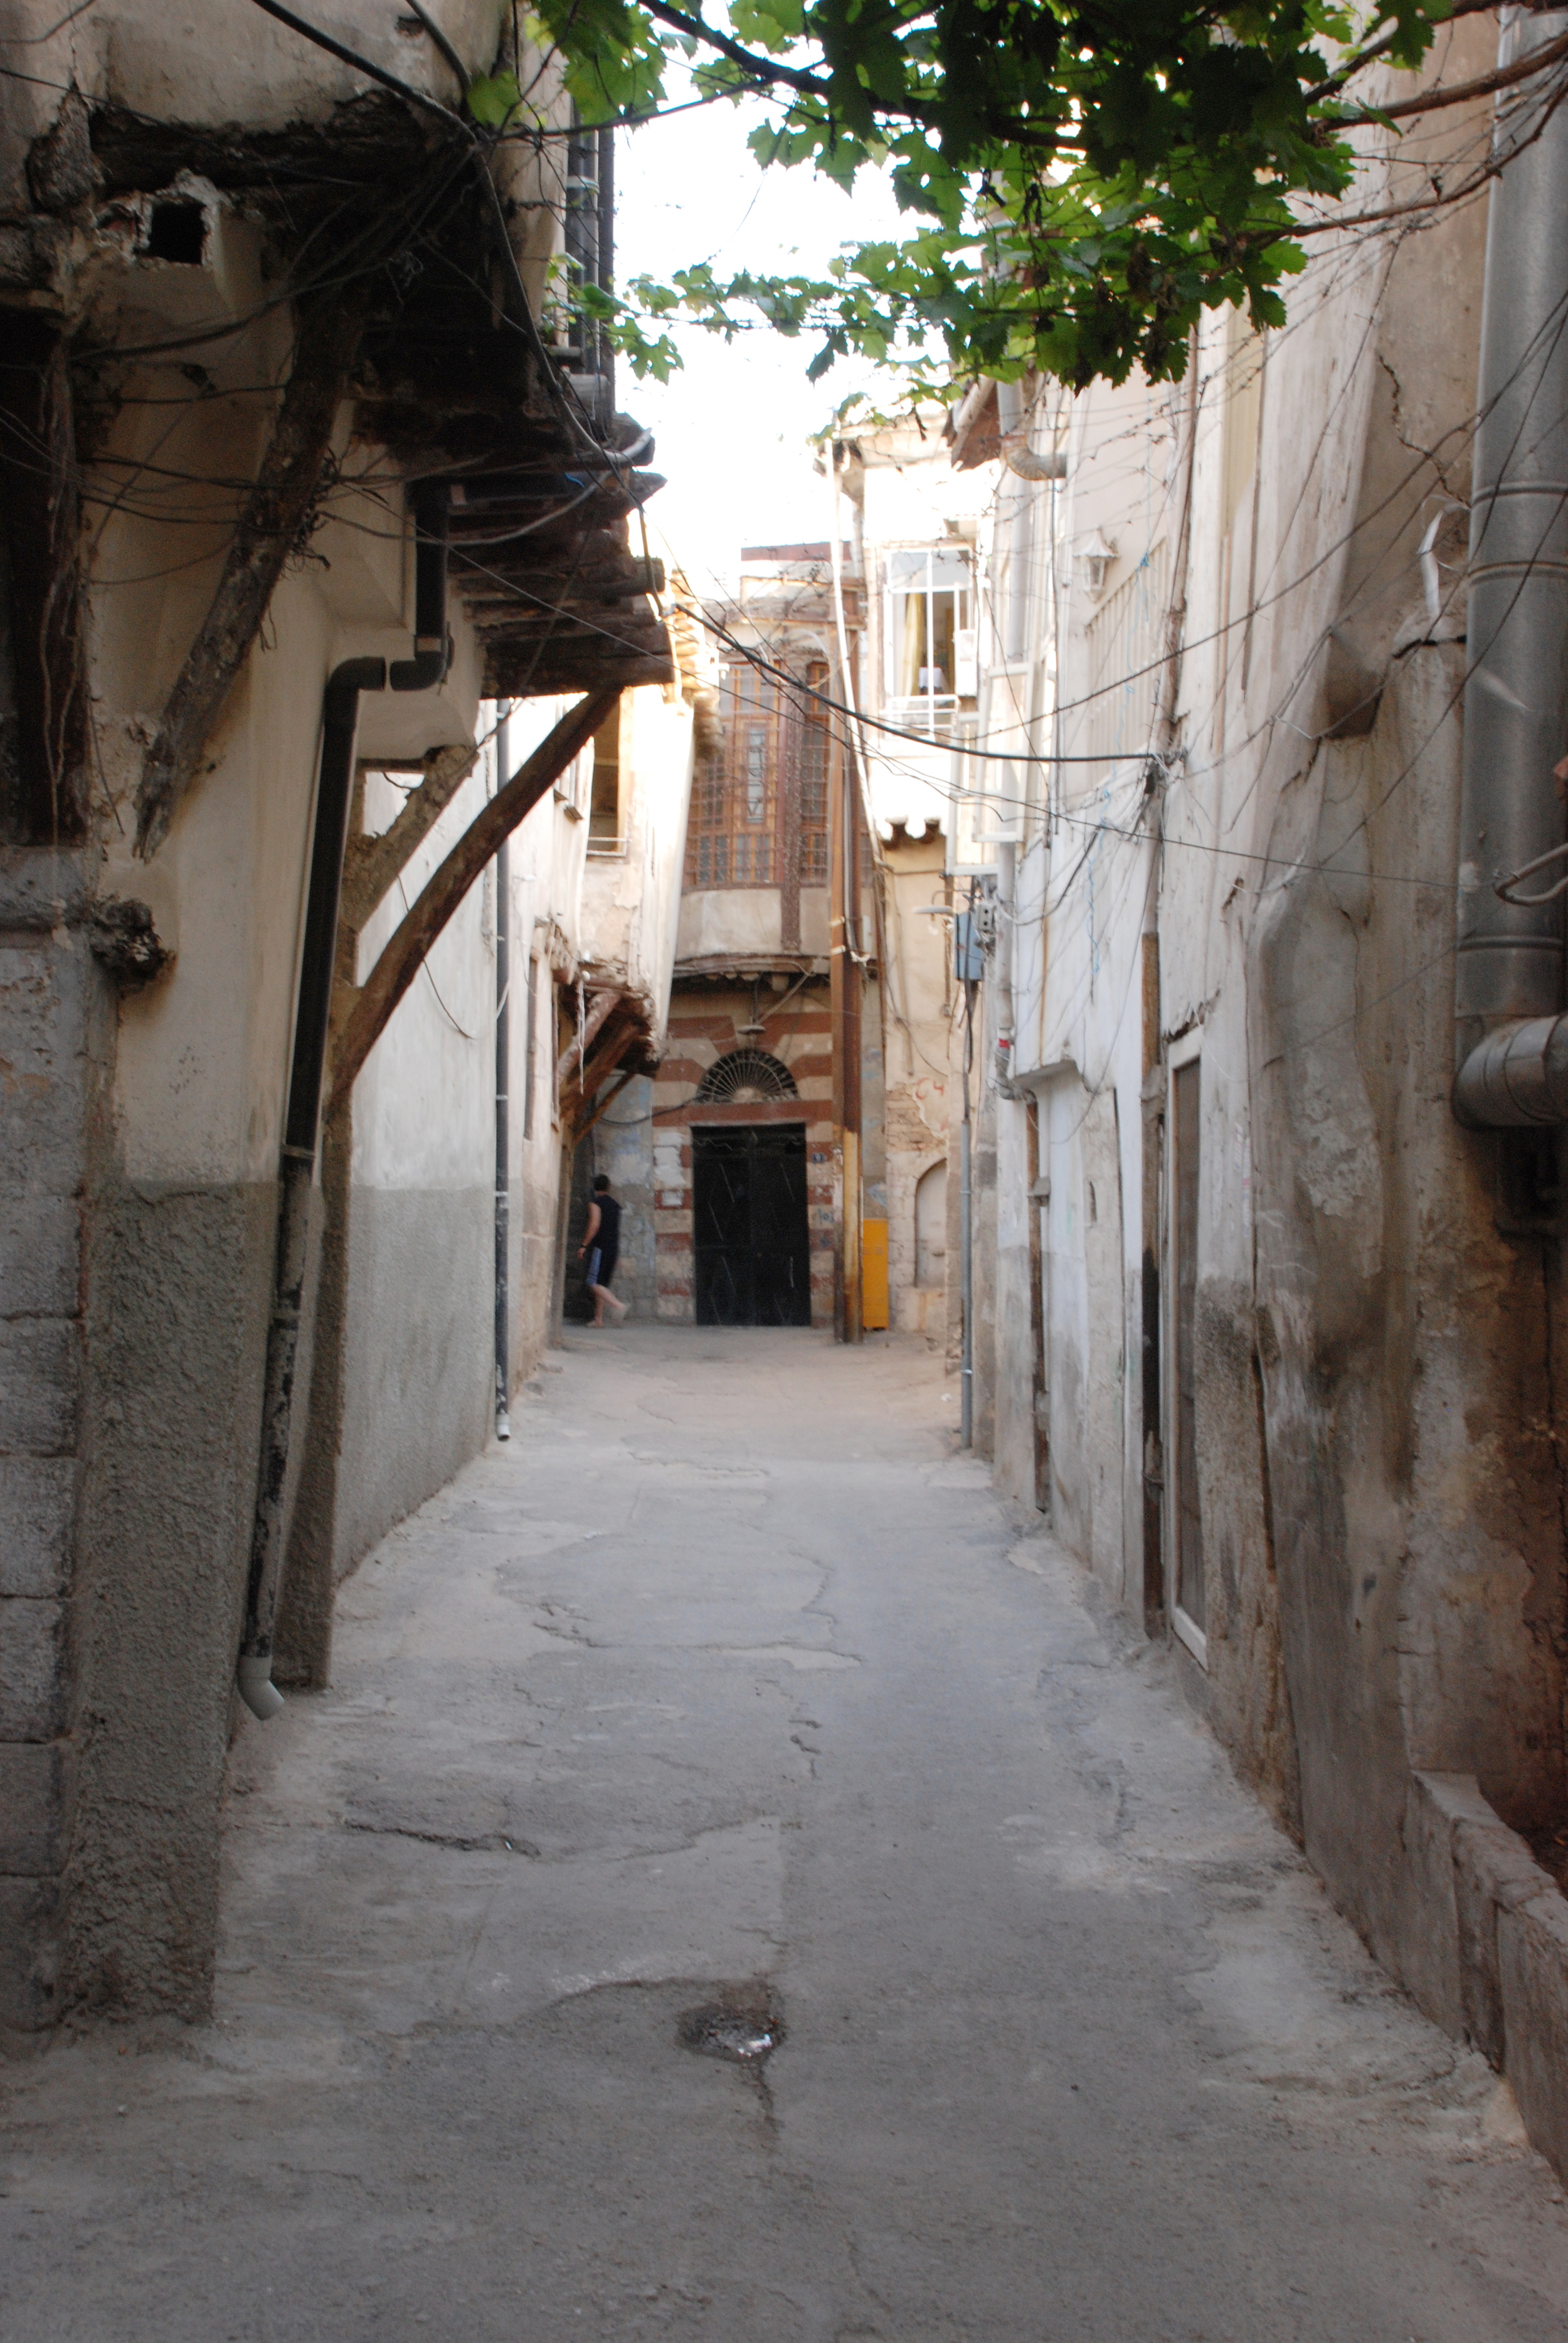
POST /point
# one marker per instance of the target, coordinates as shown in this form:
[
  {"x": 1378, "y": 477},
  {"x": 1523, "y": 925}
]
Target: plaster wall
[
  {"x": 729, "y": 919},
  {"x": 418, "y": 1379},
  {"x": 631, "y": 900},
  {"x": 915, "y": 1005},
  {"x": 1377, "y": 1426},
  {"x": 177, "y": 1276}
]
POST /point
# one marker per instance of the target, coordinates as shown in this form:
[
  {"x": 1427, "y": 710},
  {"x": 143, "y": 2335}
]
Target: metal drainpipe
[
  {"x": 1512, "y": 1039},
  {"x": 297, "y": 1168},
  {"x": 503, "y": 1088},
  {"x": 340, "y": 719},
  {"x": 1013, "y": 517},
  {"x": 964, "y": 956},
  {"x": 432, "y": 644},
  {"x": 1006, "y": 891}
]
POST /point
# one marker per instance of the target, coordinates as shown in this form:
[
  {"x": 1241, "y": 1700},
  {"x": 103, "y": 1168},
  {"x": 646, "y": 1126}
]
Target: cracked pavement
[{"x": 730, "y": 1678}]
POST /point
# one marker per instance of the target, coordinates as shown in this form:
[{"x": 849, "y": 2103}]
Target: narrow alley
[{"x": 727, "y": 1702}]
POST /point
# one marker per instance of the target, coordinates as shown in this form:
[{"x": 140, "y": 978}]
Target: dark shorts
[{"x": 600, "y": 1265}]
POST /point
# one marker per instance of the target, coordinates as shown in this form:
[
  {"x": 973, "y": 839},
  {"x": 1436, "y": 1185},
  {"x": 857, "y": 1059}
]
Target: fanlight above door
[{"x": 746, "y": 1078}]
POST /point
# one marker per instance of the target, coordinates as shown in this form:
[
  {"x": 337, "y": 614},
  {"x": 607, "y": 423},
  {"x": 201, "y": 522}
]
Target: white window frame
[{"x": 934, "y": 712}]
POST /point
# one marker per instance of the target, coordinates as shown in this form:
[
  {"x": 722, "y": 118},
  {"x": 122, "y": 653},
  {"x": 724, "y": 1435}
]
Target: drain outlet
[{"x": 745, "y": 2030}]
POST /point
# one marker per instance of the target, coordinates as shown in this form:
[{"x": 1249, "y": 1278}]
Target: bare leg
[{"x": 601, "y": 1295}]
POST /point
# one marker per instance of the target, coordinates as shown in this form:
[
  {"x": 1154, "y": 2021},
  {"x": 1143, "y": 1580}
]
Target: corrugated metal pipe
[{"x": 1511, "y": 1035}]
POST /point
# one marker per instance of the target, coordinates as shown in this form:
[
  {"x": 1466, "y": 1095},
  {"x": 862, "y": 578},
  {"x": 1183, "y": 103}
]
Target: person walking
[{"x": 601, "y": 1248}]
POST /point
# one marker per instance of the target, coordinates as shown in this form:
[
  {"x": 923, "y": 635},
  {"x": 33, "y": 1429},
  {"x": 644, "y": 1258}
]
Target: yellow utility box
[{"x": 874, "y": 1276}]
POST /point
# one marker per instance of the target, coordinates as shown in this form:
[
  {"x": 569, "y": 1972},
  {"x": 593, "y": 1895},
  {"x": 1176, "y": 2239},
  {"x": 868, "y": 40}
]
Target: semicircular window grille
[{"x": 745, "y": 1078}]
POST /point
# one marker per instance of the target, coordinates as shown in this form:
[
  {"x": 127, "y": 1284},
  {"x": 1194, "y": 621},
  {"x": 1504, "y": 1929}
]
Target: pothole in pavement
[{"x": 744, "y": 2026}]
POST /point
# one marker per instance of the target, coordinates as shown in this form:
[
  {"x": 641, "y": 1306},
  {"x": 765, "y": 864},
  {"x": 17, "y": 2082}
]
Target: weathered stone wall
[
  {"x": 177, "y": 1286},
  {"x": 130, "y": 1411},
  {"x": 55, "y": 1032},
  {"x": 1406, "y": 1339}
]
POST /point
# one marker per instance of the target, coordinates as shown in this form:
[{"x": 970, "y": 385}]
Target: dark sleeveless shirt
[{"x": 609, "y": 1237}]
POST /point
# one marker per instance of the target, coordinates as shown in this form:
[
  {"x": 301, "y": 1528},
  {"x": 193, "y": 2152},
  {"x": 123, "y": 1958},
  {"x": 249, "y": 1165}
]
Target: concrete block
[
  {"x": 40, "y": 1381},
  {"x": 38, "y": 1524},
  {"x": 29, "y": 1953},
  {"x": 31, "y": 1669},
  {"x": 46, "y": 990},
  {"x": 1533, "y": 1968},
  {"x": 1430, "y": 1962},
  {"x": 40, "y": 1256},
  {"x": 36, "y": 1781},
  {"x": 1494, "y": 1873}
]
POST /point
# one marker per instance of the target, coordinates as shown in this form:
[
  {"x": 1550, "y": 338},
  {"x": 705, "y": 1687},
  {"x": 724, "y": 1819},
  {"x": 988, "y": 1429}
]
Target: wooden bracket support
[{"x": 401, "y": 960}]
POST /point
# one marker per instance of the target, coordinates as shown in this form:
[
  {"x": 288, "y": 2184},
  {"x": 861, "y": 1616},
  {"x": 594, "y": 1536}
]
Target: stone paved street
[{"x": 729, "y": 1687}]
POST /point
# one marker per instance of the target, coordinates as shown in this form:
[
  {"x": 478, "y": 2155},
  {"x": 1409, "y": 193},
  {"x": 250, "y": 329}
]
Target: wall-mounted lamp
[{"x": 1095, "y": 557}]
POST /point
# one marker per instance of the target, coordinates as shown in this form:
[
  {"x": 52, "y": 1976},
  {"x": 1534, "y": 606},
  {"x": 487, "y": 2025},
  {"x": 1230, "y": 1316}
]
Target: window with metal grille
[
  {"x": 816, "y": 753},
  {"x": 732, "y": 834},
  {"x": 1124, "y": 638}
]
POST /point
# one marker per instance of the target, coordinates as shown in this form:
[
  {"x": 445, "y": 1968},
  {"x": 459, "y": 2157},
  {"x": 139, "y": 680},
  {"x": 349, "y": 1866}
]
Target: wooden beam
[
  {"x": 597, "y": 1010},
  {"x": 516, "y": 670},
  {"x": 609, "y": 1093},
  {"x": 605, "y": 1055},
  {"x": 401, "y": 960},
  {"x": 276, "y": 515},
  {"x": 371, "y": 864}
]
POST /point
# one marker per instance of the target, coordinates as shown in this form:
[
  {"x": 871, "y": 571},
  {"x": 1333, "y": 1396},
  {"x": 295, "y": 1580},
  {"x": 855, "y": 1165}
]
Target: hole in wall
[{"x": 176, "y": 232}]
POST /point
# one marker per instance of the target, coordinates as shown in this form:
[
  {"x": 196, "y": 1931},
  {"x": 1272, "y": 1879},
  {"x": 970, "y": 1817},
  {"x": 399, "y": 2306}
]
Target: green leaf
[
  {"x": 493, "y": 98},
  {"x": 1077, "y": 187}
]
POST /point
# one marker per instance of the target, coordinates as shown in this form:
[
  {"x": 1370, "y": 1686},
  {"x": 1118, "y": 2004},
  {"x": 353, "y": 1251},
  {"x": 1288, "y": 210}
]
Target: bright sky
[{"x": 733, "y": 426}]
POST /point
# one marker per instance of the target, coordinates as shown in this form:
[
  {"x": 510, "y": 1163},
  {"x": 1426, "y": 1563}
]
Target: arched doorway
[
  {"x": 931, "y": 1229},
  {"x": 750, "y": 1234}
]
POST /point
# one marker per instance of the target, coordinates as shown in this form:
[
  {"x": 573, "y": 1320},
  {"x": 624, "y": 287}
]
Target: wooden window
[
  {"x": 605, "y": 833},
  {"x": 816, "y": 754}
]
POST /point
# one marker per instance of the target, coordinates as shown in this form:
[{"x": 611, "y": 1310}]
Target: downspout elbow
[
  {"x": 1516, "y": 1077},
  {"x": 432, "y": 642},
  {"x": 340, "y": 703},
  {"x": 256, "y": 1689}
]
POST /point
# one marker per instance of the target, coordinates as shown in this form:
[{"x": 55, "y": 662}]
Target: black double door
[{"x": 751, "y": 1236}]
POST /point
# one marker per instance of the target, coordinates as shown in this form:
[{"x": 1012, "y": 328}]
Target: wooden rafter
[
  {"x": 595, "y": 1011},
  {"x": 602, "y": 1058}
]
